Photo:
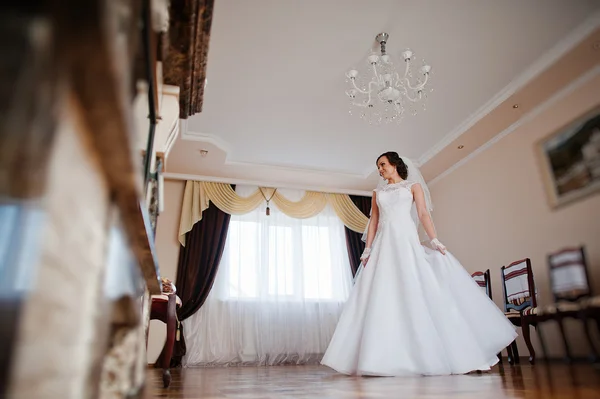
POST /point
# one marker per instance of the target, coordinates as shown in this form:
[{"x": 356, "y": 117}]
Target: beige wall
[
  {"x": 167, "y": 249},
  {"x": 167, "y": 229},
  {"x": 493, "y": 210}
]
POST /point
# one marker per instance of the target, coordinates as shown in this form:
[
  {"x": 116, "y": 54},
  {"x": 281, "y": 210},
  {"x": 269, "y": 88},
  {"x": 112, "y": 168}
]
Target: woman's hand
[
  {"x": 436, "y": 244},
  {"x": 365, "y": 256}
]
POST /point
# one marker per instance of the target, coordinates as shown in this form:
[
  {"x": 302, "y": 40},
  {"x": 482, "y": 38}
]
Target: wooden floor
[{"x": 540, "y": 381}]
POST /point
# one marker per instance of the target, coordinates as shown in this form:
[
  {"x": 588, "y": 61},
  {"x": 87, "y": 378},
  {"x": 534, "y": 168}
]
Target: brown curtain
[
  {"x": 354, "y": 243},
  {"x": 197, "y": 268}
]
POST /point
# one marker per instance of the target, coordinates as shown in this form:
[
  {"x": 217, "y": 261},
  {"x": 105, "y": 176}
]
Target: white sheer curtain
[{"x": 278, "y": 293}]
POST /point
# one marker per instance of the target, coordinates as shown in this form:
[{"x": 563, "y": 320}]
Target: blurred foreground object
[{"x": 85, "y": 130}]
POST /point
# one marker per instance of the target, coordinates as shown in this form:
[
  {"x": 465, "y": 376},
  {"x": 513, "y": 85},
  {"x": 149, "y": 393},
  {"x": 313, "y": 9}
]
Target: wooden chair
[
  {"x": 520, "y": 302},
  {"x": 591, "y": 312},
  {"x": 164, "y": 308},
  {"x": 573, "y": 298},
  {"x": 483, "y": 279}
]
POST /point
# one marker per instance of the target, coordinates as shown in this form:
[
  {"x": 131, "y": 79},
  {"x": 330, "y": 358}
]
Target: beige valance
[
  {"x": 195, "y": 201},
  {"x": 350, "y": 215},
  {"x": 311, "y": 204},
  {"x": 198, "y": 194},
  {"x": 227, "y": 200}
]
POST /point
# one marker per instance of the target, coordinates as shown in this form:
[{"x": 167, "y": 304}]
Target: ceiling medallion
[{"x": 379, "y": 94}]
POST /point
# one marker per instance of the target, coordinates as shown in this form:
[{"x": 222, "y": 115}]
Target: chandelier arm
[
  {"x": 407, "y": 62},
  {"x": 371, "y": 90},
  {"x": 405, "y": 90},
  {"x": 372, "y": 83},
  {"x": 406, "y": 94},
  {"x": 379, "y": 78},
  {"x": 418, "y": 87},
  {"x": 414, "y": 100},
  {"x": 359, "y": 89},
  {"x": 376, "y": 75},
  {"x": 407, "y": 84},
  {"x": 399, "y": 83}
]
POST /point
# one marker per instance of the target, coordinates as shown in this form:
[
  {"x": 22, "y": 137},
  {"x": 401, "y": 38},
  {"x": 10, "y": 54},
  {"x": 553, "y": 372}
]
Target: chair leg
[
  {"x": 171, "y": 327},
  {"x": 499, "y": 357},
  {"x": 511, "y": 357},
  {"x": 586, "y": 327},
  {"x": 515, "y": 351},
  {"x": 565, "y": 340},
  {"x": 538, "y": 329},
  {"x": 527, "y": 337}
]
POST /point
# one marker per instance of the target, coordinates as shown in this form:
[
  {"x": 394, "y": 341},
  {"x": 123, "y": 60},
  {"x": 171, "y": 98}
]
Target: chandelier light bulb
[
  {"x": 373, "y": 59},
  {"x": 352, "y": 74}
]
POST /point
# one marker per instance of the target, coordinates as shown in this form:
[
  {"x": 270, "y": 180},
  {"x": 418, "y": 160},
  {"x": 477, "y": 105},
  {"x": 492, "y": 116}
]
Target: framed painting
[{"x": 570, "y": 160}]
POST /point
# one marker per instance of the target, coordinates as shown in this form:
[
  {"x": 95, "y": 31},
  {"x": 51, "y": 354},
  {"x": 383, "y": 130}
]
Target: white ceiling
[{"x": 275, "y": 90}]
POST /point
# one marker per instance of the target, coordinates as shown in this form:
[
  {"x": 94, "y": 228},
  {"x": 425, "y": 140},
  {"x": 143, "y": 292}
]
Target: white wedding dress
[{"x": 413, "y": 310}]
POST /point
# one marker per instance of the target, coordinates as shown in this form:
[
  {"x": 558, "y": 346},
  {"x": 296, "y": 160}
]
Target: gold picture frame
[{"x": 569, "y": 160}]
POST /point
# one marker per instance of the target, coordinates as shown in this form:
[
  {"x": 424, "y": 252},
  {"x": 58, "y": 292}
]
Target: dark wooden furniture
[
  {"x": 483, "y": 279},
  {"x": 520, "y": 302},
  {"x": 573, "y": 297},
  {"x": 164, "y": 308},
  {"x": 66, "y": 158}
]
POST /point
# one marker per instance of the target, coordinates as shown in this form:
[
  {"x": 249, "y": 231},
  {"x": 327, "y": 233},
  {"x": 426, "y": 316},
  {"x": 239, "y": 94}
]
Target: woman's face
[{"x": 386, "y": 170}]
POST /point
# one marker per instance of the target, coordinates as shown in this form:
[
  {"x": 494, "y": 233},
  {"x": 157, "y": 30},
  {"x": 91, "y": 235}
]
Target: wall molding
[
  {"x": 583, "y": 79},
  {"x": 224, "y": 146},
  {"x": 544, "y": 62}
]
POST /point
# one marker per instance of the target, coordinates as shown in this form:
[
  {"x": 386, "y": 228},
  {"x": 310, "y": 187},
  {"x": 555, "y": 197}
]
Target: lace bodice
[
  {"x": 395, "y": 202},
  {"x": 395, "y": 186}
]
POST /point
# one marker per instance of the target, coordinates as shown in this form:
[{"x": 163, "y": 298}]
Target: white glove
[
  {"x": 365, "y": 255},
  {"x": 436, "y": 244}
]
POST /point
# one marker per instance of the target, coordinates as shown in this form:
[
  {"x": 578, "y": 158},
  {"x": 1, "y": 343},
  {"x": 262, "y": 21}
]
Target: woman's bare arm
[
  {"x": 372, "y": 229},
  {"x": 425, "y": 217}
]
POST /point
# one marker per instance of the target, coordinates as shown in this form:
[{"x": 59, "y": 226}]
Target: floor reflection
[{"x": 504, "y": 381}]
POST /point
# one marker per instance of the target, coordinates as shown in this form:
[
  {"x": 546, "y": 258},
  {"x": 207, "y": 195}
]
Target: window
[
  {"x": 277, "y": 257},
  {"x": 278, "y": 293}
]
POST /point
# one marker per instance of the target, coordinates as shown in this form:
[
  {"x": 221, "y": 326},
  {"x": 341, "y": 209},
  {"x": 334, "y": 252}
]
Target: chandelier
[{"x": 382, "y": 95}]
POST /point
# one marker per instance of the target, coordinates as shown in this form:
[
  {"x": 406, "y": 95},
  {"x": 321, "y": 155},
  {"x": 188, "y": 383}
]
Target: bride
[{"x": 413, "y": 310}]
